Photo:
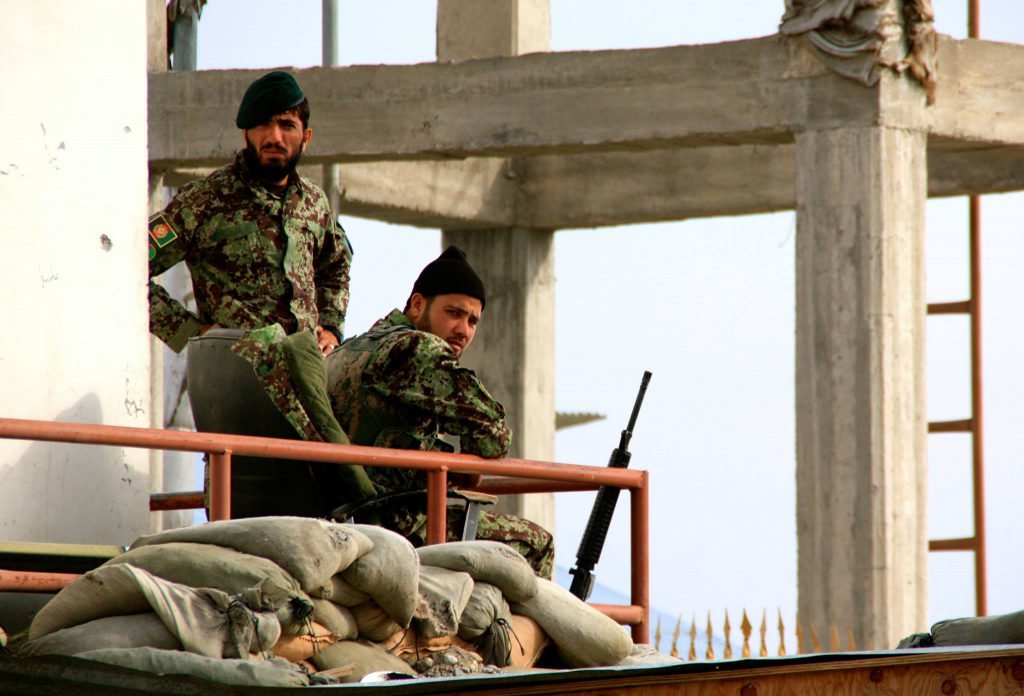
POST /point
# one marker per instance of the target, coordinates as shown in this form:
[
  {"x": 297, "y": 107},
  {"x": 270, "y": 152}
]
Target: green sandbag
[
  {"x": 132, "y": 631},
  {"x": 310, "y": 550},
  {"x": 238, "y": 672},
  {"x": 364, "y": 657},
  {"x": 584, "y": 636}
]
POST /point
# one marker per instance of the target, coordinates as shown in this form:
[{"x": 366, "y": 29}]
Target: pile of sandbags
[{"x": 305, "y": 597}]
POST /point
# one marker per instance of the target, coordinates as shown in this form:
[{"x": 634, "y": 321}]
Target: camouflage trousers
[{"x": 532, "y": 541}]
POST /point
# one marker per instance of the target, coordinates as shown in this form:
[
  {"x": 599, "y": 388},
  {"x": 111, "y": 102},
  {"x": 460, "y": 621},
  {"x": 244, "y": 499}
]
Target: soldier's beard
[{"x": 269, "y": 173}]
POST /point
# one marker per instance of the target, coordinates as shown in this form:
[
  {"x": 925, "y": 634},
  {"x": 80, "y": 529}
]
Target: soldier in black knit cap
[{"x": 400, "y": 385}]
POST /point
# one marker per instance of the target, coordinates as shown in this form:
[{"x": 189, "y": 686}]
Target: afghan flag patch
[{"x": 160, "y": 231}]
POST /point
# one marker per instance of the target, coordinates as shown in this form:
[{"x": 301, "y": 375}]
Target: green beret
[{"x": 271, "y": 94}]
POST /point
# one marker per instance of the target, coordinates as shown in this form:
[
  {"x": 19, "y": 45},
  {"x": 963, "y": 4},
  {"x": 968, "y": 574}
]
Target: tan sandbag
[
  {"x": 528, "y": 641},
  {"x": 373, "y": 622},
  {"x": 389, "y": 573},
  {"x": 446, "y": 593},
  {"x": 584, "y": 636},
  {"x": 310, "y": 550},
  {"x": 485, "y": 606},
  {"x": 362, "y": 656},
  {"x": 337, "y": 619},
  {"x": 208, "y": 565},
  {"x": 206, "y": 621},
  {"x": 131, "y": 631},
  {"x": 238, "y": 672},
  {"x": 300, "y": 648},
  {"x": 486, "y": 561},
  {"x": 344, "y": 594}
]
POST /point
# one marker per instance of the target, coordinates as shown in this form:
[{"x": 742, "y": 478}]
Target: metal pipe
[
  {"x": 186, "y": 500},
  {"x": 186, "y": 40},
  {"x": 437, "y": 464},
  {"x": 978, "y": 458},
  {"x": 512, "y": 485},
  {"x": 247, "y": 445},
  {"x": 437, "y": 506},
  {"x": 977, "y": 450},
  {"x": 29, "y": 581},
  {"x": 639, "y": 578},
  {"x": 620, "y": 613},
  {"x": 220, "y": 485},
  {"x": 329, "y": 51}
]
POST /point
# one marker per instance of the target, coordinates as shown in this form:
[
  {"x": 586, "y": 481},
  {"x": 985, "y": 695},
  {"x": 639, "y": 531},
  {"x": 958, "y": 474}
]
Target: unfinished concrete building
[{"x": 534, "y": 142}]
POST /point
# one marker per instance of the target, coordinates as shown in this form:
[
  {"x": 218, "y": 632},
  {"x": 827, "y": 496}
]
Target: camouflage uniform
[
  {"x": 398, "y": 387},
  {"x": 255, "y": 258}
]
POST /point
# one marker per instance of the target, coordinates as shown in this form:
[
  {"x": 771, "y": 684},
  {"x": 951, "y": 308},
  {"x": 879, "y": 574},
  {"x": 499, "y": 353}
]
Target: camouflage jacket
[
  {"x": 394, "y": 386},
  {"x": 255, "y": 258}
]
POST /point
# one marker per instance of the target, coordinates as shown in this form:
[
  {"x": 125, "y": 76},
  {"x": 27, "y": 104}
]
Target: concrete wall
[{"x": 73, "y": 193}]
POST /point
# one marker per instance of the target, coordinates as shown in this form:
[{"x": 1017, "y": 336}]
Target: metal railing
[{"x": 503, "y": 476}]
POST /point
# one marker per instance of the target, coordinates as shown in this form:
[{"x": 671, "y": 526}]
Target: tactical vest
[{"x": 373, "y": 426}]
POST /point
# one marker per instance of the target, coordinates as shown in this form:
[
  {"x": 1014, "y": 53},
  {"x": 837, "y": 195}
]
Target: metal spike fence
[{"x": 806, "y": 638}]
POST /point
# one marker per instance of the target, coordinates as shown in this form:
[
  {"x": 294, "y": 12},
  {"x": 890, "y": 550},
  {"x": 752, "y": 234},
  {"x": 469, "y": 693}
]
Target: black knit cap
[
  {"x": 450, "y": 274},
  {"x": 271, "y": 94}
]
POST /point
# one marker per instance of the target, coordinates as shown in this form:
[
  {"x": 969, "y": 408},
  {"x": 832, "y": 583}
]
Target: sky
[{"x": 708, "y": 306}]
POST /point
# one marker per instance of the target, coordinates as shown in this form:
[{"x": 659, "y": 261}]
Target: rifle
[{"x": 604, "y": 507}]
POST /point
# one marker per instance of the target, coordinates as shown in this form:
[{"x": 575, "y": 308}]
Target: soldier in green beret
[
  {"x": 259, "y": 240},
  {"x": 400, "y": 385}
]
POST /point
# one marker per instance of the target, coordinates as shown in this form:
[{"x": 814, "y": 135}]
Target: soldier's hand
[
  {"x": 326, "y": 340},
  {"x": 207, "y": 327}
]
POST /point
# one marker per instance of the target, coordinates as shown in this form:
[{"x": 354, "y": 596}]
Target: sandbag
[
  {"x": 584, "y": 636},
  {"x": 446, "y": 593},
  {"x": 208, "y": 565},
  {"x": 485, "y": 606},
  {"x": 300, "y": 648},
  {"x": 274, "y": 672},
  {"x": 389, "y": 573},
  {"x": 206, "y": 621},
  {"x": 335, "y": 618},
  {"x": 131, "y": 631},
  {"x": 486, "y": 561},
  {"x": 643, "y": 655},
  {"x": 344, "y": 594},
  {"x": 97, "y": 594},
  {"x": 373, "y": 622},
  {"x": 1003, "y": 629},
  {"x": 527, "y": 643},
  {"x": 310, "y": 550},
  {"x": 365, "y": 657}
]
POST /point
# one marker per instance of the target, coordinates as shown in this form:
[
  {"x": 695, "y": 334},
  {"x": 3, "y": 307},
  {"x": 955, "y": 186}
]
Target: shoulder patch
[{"x": 160, "y": 230}]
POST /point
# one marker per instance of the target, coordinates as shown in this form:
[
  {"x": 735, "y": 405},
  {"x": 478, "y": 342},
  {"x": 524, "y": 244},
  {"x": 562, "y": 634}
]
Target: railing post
[
  {"x": 437, "y": 505},
  {"x": 639, "y": 579},
  {"x": 220, "y": 485}
]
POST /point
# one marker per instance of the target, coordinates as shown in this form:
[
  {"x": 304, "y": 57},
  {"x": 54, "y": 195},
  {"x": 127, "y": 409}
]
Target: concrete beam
[
  {"x": 753, "y": 91},
  {"x": 980, "y": 93},
  {"x": 604, "y": 189}
]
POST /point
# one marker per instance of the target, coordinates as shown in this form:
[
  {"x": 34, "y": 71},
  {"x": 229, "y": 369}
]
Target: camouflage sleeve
[
  {"x": 422, "y": 373},
  {"x": 168, "y": 319},
  {"x": 332, "y": 276}
]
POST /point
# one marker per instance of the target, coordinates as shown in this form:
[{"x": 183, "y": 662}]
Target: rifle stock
[{"x": 593, "y": 540}]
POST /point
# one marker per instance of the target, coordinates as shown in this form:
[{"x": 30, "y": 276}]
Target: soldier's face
[
  {"x": 273, "y": 149},
  {"x": 451, "y": 317}
]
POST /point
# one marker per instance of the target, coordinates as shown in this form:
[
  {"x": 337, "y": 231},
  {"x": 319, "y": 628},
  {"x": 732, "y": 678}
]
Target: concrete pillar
[
  {"x": 860, "y": 357},
  {"x": 73, "y": 186},
  {"x": 514, "y": 349}
]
